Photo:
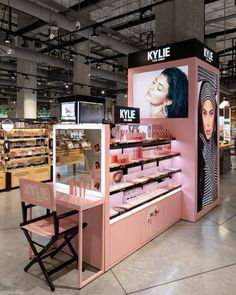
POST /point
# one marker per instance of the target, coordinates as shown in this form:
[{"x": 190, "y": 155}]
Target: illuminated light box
[
  {"x": 68, "y": 111},
  {"x": 161, "y": 93}
]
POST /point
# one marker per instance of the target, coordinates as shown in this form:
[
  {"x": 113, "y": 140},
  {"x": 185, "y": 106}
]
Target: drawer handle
[{"x": 156, "y": 211}]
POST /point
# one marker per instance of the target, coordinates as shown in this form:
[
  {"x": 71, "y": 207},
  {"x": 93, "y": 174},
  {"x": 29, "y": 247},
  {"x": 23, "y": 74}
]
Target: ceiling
[{"x": 99, "y": 33}]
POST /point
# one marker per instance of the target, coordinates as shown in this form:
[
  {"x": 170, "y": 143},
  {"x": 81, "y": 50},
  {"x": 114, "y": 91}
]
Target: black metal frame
[{"x": 48, "y": 250}]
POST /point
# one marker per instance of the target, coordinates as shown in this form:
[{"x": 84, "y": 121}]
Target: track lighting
[
  {"x": 8, "y": 39},
  {"x": 86, "y": 62},
  {"x": 25, "y": 44}
]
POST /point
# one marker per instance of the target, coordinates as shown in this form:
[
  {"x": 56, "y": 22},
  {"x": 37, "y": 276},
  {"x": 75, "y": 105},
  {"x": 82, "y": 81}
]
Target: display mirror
[{"x": 78, "y": 158}]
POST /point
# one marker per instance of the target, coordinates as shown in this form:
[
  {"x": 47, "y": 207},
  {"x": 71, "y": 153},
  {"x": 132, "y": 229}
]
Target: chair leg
[
  {"x": 38, "y": 259},
  {"x": 70, "y": 245}
]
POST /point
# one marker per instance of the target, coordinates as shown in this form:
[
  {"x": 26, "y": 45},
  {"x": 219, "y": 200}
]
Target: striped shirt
[{"x": 209, "y": 171}]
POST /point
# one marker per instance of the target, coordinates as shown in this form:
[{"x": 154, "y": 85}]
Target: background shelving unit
[{"x": 28, "y": 153}]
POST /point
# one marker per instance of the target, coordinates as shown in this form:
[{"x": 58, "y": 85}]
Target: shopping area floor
[{"x": 189, "y": 258}]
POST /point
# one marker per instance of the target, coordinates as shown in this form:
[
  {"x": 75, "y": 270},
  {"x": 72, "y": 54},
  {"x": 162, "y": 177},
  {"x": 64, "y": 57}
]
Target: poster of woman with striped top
[{"x": 207, "y": 139}]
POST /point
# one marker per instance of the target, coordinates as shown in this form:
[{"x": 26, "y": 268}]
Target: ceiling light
[
  {"x": 125, "y": 95},
  {"x": 77, "y": 25},
  {"x": 8, "y": 39},
  {"x": 9, "y": 51},
  {"x": 103, "y": 92},
  {"x": 98, "y": 66},
  {"x": 66, "y": 86},
  {"x": 71, "y": 58},
  {"x": 51, "y": 36},
  {"x": 224, "y": 104},
  {"x": 45, "y": 94},
  {"x": 50, "y": 100},
  {"x": 94, "y": 33}
]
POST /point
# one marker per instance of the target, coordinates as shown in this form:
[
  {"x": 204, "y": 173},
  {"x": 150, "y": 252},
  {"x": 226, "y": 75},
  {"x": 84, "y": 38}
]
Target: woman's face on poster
[
  {"x": 208, "y": 115},
  {"x": 158, "y": 91}
]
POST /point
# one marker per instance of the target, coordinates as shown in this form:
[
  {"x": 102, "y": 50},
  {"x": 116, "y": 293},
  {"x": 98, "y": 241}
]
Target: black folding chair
[{"x": 50, "y": 225}]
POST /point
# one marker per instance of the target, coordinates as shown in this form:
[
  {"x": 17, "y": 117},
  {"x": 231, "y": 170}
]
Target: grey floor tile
[
  {"x": 231, "y": 224},
  {"x": 67, "y": 285},
  {"x": 221, "y": 213},
  {"x": 230, "y": 200},
  {"x": 217, "y": 282},
  {"x": 181, "y": 251},
  {"x": 201, "y": 222}
]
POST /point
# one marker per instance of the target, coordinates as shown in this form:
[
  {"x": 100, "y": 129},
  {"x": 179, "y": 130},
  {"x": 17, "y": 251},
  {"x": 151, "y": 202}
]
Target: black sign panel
[
  {"x": 174, "y": 51},
  {"x": 126, "y": 115}
]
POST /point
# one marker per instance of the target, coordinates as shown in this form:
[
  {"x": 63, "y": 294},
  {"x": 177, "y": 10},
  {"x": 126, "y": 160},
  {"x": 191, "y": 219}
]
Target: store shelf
[
  {"x": 26, "y": 166},
  {"x": 28, "y": 146},
  {"x": 141, "y": 162},
  {"x": 26, "y": 156},
  {"x": 130, "y": 205},
  {"x": 145, "y": 143},
  {"x": 141, "y": 181},
  {"x": 27, "y": 137}
]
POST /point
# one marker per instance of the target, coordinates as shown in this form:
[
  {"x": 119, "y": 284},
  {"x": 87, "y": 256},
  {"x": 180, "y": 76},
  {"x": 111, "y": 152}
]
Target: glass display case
[{"x": 77, "y": 157}]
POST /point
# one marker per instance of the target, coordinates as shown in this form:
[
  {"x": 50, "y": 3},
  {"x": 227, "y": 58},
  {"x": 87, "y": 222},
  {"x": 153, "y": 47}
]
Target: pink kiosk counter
[
  {"x": 151, "y": 174},
  {"x": 176, "y": 89}
]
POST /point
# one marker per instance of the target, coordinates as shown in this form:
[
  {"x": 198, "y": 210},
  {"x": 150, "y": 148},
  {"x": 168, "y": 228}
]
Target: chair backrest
[{"x": 37, "y": 193}]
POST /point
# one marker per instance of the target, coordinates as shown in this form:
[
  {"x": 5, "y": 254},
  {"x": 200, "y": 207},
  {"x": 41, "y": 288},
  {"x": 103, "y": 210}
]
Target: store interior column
[
  {"x": 26, "y": 94},
  {"x": 177, "y": 22}
]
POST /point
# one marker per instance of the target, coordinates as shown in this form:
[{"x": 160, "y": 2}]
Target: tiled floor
[{"x": 189, "y": 258}]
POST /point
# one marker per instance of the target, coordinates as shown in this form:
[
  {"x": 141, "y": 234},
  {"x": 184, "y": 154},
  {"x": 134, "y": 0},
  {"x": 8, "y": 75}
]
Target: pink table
[{"x": 90, "y": 239}]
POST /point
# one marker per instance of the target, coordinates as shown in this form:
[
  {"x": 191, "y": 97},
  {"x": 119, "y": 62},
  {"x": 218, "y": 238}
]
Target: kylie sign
[
  {"x": 126, "y": 115},
  {"x": 208, "y": 55},
  {"x": 158, "y": 54}
]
